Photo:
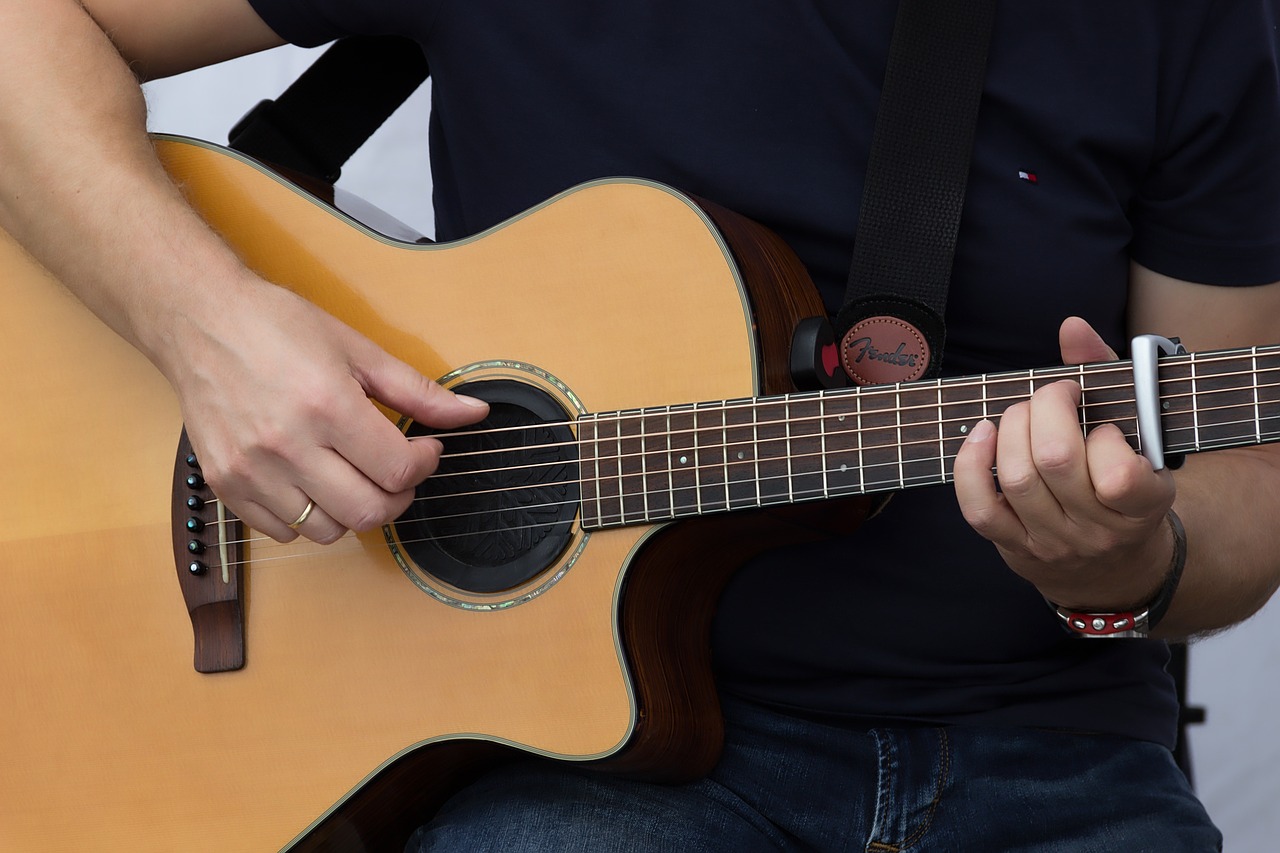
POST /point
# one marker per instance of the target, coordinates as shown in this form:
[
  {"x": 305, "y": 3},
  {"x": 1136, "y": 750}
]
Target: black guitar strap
[
  {"x": 891, "y": 327},
  {"x": 327, "y": 114}
]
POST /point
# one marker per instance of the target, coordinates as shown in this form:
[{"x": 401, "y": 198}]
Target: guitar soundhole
[{"x": 500, "y": 508}]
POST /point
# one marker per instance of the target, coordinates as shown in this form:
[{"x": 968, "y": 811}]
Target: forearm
[
  {"x": 81, "y": 187},
  {"x": 1229, "y": 502}
]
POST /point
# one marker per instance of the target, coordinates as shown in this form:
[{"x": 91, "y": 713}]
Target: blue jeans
[{"x": 790, "y": 784}]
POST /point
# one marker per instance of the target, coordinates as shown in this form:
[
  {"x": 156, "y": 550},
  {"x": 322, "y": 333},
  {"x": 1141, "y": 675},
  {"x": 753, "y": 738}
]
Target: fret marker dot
[
  {"x": 741, "y": 455},
  {"x": 840, "y": 418},
  {"x": 684, "y": 459},
  {"x": 844, "y": 469},
  {"x": 964, "y": 429}
]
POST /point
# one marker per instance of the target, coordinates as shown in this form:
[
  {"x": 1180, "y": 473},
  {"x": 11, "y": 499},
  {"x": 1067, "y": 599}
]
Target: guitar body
[{"x": 365, "y": 696}]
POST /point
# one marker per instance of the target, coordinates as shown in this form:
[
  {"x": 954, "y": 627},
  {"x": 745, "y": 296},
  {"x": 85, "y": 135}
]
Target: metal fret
[
  {"x": 942, "y": 436},
  {"x": 666, "y": 464},
  {"x": 822, "y": 432},
  {"x": 697, "y": 464},
  {"x": 862, "y": 462},
  {"x": 962, "y": 407},
  {"x": 755, "y": 450},
  {"x": 902, "y": 470},
  {"x": 985, "y": 412},
  {"x": 622, "y": 490},
  {"x": 709, "y": 455},
  {"x": 724, "y": 441},
  {"x": 656, "y": 463},
  {"x": 588, "y": 450},
  {"x": 1084, "y": 403},
  {"x": 644, "y": 468},
  {"x": 609, "y": 470},
  {"x": 1257, "y": 402},
  {"x": 840, "y": 444},
  {"x": 791, "y": 478},
  {"x": 773, "y": 453},
  {"x": 633, "y": 489},
  {"x": 742, "y": 486},
  {"x": 806, "y": 442},
  {"x": 1195, "y": 404},
  {"x": 682, "y": 461}
]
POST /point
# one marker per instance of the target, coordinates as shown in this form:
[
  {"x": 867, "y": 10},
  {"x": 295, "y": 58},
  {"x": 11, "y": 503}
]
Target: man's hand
[
  {"x": 276, "y": 397},
  {"x": 1081, "y": 518}
]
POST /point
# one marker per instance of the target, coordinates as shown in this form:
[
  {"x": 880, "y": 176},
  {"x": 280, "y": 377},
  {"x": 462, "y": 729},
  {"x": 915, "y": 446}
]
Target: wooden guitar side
[{"x": 363, "y": 699}]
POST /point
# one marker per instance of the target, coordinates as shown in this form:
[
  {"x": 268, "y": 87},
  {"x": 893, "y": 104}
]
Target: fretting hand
[{"x": 1080, "y": 517}]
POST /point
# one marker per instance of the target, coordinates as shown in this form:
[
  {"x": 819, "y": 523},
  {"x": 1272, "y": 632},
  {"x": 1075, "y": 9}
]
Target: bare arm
[
  {"x": 81, "y": 188},
  {"x": 1228, "y": 500},
  {"x": 281, "y": 388},
  {"x": 1082, "y": 518}
]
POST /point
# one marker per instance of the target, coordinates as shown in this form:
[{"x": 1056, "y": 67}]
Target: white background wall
[{"x": 1236, "y": 675}]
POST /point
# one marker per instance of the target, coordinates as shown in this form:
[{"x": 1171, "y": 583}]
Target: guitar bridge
[{"x": 208, "y": 554}]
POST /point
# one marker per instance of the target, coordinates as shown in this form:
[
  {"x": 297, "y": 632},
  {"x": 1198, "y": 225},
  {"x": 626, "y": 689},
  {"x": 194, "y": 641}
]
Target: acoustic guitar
[{"x": 174, "y": 681}]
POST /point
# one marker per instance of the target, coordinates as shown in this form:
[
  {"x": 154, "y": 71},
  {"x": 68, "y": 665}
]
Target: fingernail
[
  {"x": 470, "y": 401},
  {"x": 981, "y": 431}
]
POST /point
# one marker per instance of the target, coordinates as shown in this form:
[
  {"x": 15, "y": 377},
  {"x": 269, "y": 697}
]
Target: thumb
[
  {"x": 1080, "y": 344},
  {"x": 403, "y": 389}
]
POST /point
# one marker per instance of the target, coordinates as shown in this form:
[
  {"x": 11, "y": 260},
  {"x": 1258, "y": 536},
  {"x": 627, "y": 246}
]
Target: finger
[
  {"x": 1080, "y": 344},
  {"x": 1058, "y": 449},
  {"x": 318, "y": 526},
  {"x": 397, "y": 385},
  {"x": 1124, "y": 480},
  {"x": 268, "y": 516},
  {"x": 347, "y": 496},
  {"x": 380, "y": 450},
  {"x": 257, "y": 517},
  {"x": 981, "y": 503},
  {"x": 375, "y": 447},
  {"x": 1019, "y": 479}
]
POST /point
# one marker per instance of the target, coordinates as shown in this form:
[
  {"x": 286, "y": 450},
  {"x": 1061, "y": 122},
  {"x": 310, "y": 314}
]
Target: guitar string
[
  {"x": 695, "y": 431},
  {"x": 622, "y": 515},
  {"x": 761, "y": 404},
  {"x": 872, "y": 394},
  {"x": 895, "y": 391},
  {"x": 336, "y": 549},
  {"x": 728, "y": 462},
  {"x": 867, "y": 469}
]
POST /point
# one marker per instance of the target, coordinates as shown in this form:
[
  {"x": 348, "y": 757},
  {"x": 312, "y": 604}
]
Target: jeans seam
[
  {"x": 944, "y": 773},
  {"x": 883, "y": 793},
  {"x": 886, "y": 765}
]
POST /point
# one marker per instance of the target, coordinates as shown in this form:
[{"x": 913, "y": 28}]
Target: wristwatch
[{"x": 1140, "y": 621}]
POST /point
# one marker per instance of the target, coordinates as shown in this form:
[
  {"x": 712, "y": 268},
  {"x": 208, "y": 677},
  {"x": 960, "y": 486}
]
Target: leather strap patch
[{"x": 882, "y": 350}]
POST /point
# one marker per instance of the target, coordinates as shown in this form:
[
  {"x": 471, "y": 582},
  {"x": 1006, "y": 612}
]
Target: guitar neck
[{"x": 669, "y": 462}]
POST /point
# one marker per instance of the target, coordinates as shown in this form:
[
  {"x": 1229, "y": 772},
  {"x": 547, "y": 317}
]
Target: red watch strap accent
[{"x": 1102, "y": 624}]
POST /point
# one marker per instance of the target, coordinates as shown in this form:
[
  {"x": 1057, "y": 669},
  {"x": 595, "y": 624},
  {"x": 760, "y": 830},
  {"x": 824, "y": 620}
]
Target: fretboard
[{"x": 658, "y": 464}]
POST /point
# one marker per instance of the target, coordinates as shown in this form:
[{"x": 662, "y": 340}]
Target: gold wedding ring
[{"x": 306, "y": 512}]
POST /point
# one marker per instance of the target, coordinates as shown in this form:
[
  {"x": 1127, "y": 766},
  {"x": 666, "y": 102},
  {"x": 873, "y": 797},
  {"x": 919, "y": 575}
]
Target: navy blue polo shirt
[{"x": 1109, "y": 131}]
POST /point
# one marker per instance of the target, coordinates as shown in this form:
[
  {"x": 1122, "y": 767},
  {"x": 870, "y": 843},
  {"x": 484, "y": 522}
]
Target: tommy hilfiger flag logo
[{"x": 1029, "y": 177}]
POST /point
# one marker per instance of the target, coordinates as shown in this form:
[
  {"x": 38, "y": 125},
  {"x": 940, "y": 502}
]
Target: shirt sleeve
[
  {"x": 1208, "y": 211},
  {"x": 309, "y": 23}
]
